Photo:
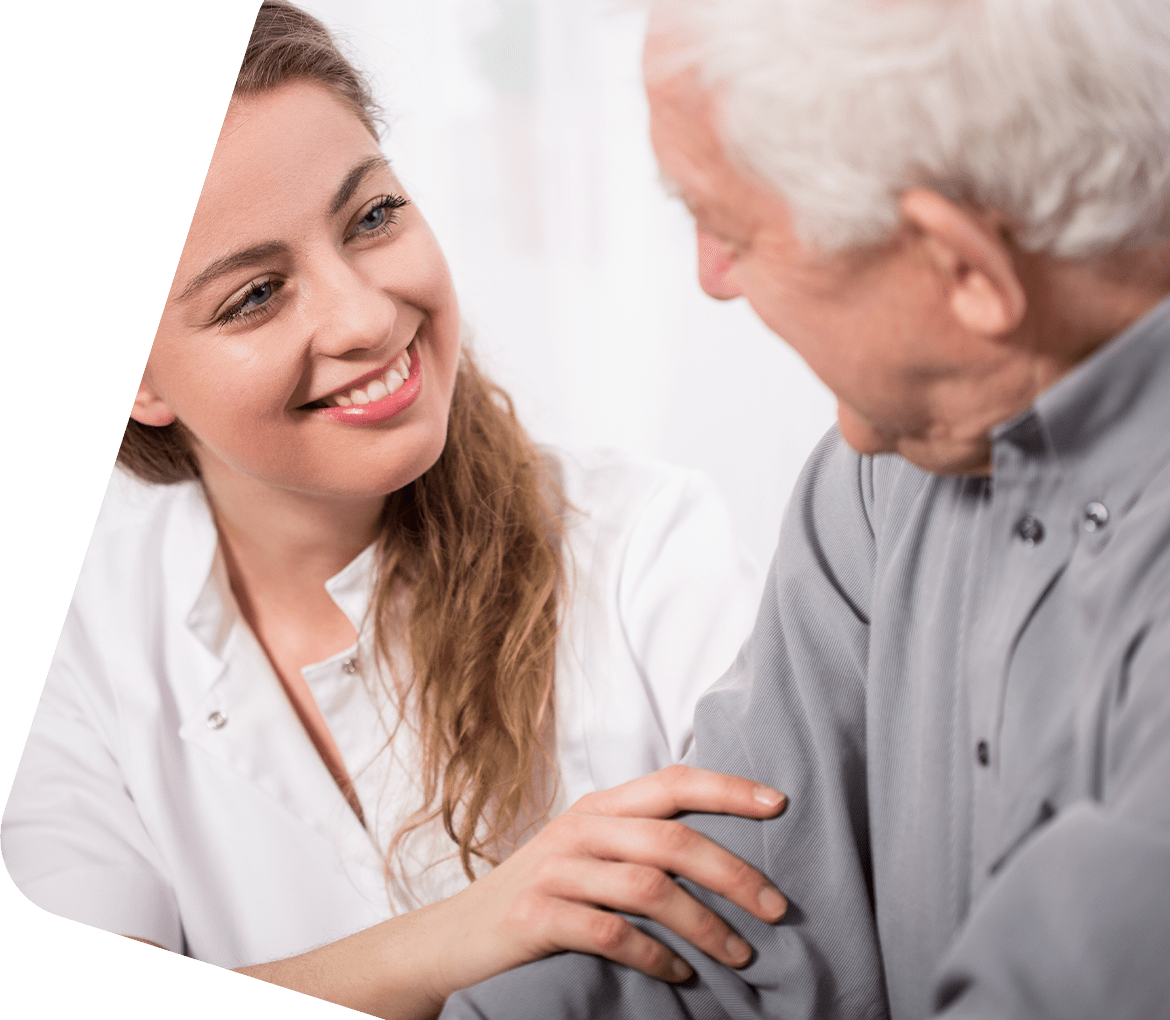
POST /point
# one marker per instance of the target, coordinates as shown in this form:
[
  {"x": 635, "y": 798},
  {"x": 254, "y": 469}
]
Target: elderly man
[{"x": 957, "y": 211}]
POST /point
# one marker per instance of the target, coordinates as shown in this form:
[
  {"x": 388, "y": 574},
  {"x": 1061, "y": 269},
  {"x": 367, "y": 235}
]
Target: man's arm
[
  {"x": 791, "y": 712},
  {"x": 1075, "y": 925}
]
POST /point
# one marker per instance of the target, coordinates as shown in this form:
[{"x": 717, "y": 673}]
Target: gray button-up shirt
[{"x": 964, "y": 686}]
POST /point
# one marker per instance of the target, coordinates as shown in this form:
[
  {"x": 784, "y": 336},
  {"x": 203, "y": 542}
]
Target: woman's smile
[{"x": 376, "y": 396}]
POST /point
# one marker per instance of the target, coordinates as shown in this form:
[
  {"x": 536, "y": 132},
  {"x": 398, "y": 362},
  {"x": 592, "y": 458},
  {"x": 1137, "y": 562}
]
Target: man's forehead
[
  {"x": 682, "y": 129},
  {"x": 672, "y": 187},
  {"x": 693, "y": 164}
]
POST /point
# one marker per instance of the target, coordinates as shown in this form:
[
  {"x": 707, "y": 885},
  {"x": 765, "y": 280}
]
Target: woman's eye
[
  {"x": 257, "y": 296},
  {"x": 255, "y": 300},
  {"x": 381, "y": 216},
  {"x": 372, "y": 220}
]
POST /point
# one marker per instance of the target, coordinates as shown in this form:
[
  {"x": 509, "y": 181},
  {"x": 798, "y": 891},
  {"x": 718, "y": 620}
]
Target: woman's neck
[
  {"x": 282, "y": 539},
  {"x": 280, "y": 548}
]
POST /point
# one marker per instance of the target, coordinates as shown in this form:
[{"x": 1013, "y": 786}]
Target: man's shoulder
[{"x": 878, "y": 480}]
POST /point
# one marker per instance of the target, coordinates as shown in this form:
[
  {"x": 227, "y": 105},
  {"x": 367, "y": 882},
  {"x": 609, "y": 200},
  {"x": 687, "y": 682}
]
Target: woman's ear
[
  {"x": 972, "y": 258},
  {"x": 149, "y": 408}
]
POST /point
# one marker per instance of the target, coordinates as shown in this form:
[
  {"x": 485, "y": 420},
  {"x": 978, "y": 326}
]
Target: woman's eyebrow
[
  {"x": 269, "y": 249},
  {"x": 353, "y": 180},
  {"x": 236, "y": 260}
]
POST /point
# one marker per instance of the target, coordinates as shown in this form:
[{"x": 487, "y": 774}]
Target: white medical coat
[{"x": 169, "y": 791}]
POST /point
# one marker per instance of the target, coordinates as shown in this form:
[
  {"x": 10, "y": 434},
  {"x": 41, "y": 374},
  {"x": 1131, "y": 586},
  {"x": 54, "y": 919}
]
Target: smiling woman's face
[{"x": 307, "y": 288}]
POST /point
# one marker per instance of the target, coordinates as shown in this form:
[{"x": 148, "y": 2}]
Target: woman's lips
[{"x": 384, "y": 407}]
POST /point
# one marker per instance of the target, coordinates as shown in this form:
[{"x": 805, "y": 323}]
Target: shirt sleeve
[
  {"x": 72, "y": 838},
  {"x": 687, "y": 595},
  {"x": 790, "y": 713}
]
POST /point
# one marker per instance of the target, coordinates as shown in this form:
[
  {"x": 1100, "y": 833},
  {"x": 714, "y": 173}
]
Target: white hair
[{"x": 1055, "y": 113}]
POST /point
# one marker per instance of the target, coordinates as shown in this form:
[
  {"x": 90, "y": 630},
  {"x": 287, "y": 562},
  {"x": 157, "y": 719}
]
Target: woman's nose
[
  {"x": 715, "y": 263},
  {"x": 353, "y": 313}
]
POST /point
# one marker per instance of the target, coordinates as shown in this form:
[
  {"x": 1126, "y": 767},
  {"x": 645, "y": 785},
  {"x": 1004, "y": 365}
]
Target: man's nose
[
  {"x": 715, "y": 264},
  {"x": 353, "y": 313}
]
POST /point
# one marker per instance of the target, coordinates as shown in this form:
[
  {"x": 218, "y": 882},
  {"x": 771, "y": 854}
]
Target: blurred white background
[{"x": 520, "y": 129}]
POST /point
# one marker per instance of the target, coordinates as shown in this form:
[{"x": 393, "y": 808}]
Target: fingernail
[
  {"x": 738, "y": 950},
  {"x": 680, "y": 969},
  {"x": 766, "y": 795},
  {"x": 773, "y": 903}
]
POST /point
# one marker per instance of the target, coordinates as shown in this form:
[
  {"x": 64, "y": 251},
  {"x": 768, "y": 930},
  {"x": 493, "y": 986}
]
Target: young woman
[{"x": 345, "y": 640}]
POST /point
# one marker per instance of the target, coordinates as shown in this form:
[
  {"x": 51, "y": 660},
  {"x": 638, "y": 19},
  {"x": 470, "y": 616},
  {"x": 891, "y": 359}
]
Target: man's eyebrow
[
  {"x": 353, "y": 180},
  {"x": 676, "y": 191},
  {"x": 670, "y": 185},
  {"x": 236, "y": 260}
]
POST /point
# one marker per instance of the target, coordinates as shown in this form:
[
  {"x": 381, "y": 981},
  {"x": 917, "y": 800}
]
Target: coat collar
[
  {"x": 240, "y": 714},
  {"x": 200, "y": 579}
]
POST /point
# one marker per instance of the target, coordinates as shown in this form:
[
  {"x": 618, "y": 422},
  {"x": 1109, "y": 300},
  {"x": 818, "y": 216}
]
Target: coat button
[
  {"x": 982, "y": 753},
  {"x": 350, "y": 665},
  {"x": 217, "y": 720},
  {"x": 1030, "y": 530},
  {"x": 1096, "y": 516}
]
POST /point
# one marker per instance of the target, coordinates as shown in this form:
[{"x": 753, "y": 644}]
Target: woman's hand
[{"x": 615, "y": 850}]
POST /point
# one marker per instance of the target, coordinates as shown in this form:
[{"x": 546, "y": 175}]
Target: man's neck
[{"x": 1078, "y": 306}]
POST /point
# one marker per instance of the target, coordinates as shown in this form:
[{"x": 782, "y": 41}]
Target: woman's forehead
[
  {"x": 300, "y": 123},
  {"x": 282, "y": 159},
  {"x": 287, "y": 163}
]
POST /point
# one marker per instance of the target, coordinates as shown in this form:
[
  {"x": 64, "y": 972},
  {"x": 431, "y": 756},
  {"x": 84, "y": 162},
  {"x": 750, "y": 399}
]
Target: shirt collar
[
  {"x": 350, "y": 587},
  {"x": 193, "y": 560},
  {"x": 1107, "y": 422},
  {"x": 214, "y": 611}
]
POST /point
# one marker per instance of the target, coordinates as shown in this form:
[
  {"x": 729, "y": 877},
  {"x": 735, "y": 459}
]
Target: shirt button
[
  {"x": 982, "y": 753},
  {"x": 1030, "y": 530},
  {"x": 1096, "y": 516},
  {"x": 350, "y": 665},
  {"x": 217, "y": 720}
]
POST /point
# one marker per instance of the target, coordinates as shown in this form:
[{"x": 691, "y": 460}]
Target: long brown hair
[{"x": 476, "y": 541}]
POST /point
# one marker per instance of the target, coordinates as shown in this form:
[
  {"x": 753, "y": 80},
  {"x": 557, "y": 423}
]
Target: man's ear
[
  {"x": 149, "y": 408},
  {"x": 973, "y": 260}
]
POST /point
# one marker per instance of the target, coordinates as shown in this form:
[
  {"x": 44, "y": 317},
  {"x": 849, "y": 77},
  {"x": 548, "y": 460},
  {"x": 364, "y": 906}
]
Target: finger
[
  {"x": 683, "y": 788},
  {"x": 590, "y": 930},
  {"x": 649, "y": 892},
  {"x": 674, "y": 847}
]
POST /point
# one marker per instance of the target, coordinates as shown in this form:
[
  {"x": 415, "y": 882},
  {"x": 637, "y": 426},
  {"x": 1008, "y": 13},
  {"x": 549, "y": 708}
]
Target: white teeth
[{"x": 391, "y": 382}]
